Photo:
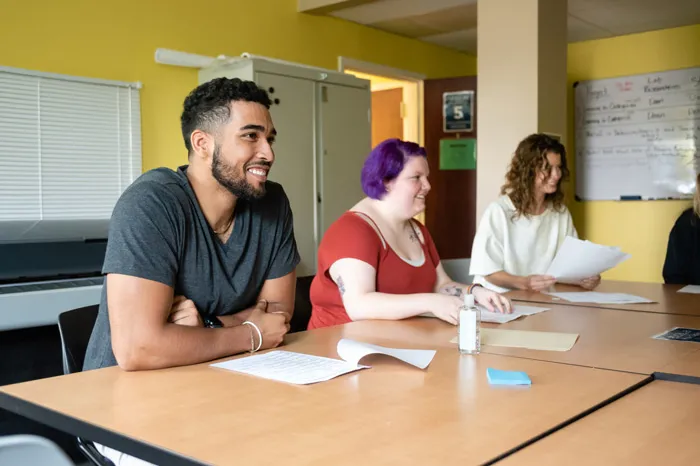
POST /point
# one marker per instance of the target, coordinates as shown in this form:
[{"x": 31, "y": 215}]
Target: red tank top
[{"x": 353, "y": 237}]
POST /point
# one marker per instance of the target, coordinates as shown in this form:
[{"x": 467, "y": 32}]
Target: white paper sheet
[
  {"x": 601, "y": 298},
  {"x": 299, "y": 368},
  {"x": 577, "y": 259},
  {"x": 518, "y": 311},
  {"x": 352, "y": 351},
  {"x": 690, "y": 289},
  {"x": 499, "y": 318},
  {"x": 286, "y": 366}
]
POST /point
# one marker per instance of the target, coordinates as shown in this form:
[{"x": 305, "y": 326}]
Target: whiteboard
[{"x": 637, "y": 136}]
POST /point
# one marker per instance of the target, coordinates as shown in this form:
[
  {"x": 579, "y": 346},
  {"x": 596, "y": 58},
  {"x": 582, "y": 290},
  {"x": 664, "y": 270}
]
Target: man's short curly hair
[
  {"x": 530, "y": 159},
  {"x": 209, "y": 105}
]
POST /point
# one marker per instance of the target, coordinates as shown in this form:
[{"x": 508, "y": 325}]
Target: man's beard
[{"x": 234, "y": 178}]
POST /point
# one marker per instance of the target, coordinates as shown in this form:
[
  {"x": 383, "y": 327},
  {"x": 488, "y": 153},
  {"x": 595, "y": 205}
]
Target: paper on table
[
  {"x": 499, "y": 318},
  {"x": 352, "y": 351},
  {"x": 690, "y": 289},
  {"x": 299, "y": 368},
  {"x": 548, "y": 341},
  {"x": 285, "y": 366},
  {"x": 601, "y": 298},
  {"x": 518, "y": 311},
  {"x": 577, "y": 259}
]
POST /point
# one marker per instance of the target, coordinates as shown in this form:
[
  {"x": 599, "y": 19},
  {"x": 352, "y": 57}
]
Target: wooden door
[
  {"x": 451, "y": 205},
  {"x": 387, "y": 121}
]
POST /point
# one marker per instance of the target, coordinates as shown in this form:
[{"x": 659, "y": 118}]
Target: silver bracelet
[{"x": 247, "y": 322}]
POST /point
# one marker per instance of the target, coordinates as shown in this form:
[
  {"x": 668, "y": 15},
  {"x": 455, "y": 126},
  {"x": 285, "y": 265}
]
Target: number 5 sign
[{"x": 457, "y": 111}]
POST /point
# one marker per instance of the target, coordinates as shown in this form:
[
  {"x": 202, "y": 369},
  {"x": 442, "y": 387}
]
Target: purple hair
[{"x": 385, "y": 162}]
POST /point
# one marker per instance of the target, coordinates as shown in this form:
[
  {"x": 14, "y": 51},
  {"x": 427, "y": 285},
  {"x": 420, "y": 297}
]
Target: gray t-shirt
[{"x": 158, "y": 232}]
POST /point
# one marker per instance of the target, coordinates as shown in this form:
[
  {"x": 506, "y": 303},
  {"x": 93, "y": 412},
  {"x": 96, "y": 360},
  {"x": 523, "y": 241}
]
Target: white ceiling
[{"x": 452, "y": 23}]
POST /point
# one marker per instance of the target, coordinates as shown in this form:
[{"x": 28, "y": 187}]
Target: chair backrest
[
  {"x": 458, "y": 270},
  {"x": 21, "y": 450},
  {"x": 302, "y": 305},
  {"x": 75, "y": 328}
]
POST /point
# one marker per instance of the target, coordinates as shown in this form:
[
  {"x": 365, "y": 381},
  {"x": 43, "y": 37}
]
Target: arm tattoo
[
  {"x": 452, "y": 290},
  {"x": 341, "y": 285}
]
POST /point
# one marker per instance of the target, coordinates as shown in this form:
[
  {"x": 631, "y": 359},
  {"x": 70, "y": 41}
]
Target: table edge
[
  {"x": 670, "y": 377},
  {"x": 92, "y": 432},
  {"x": 645, "y": 381}
]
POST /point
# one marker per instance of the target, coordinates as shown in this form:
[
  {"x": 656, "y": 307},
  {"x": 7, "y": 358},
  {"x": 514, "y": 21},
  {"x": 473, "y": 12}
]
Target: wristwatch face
[{"x": 212, "y": 322}]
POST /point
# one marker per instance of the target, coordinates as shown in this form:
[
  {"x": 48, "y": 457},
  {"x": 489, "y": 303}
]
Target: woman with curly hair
[
  {"x": 520, "y": 233},
  {"x": 682, "y": 264}
]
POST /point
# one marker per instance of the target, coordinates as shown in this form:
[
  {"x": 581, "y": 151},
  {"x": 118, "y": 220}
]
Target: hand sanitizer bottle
[{"x": 469, "y": 323}]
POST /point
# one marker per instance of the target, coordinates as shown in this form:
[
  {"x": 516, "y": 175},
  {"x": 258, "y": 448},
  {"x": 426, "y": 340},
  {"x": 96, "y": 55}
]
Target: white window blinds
[{"x": 68, "y": 147}]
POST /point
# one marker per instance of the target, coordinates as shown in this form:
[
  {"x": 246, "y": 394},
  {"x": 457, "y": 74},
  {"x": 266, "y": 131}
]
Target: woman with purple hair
[{"x": 377, "y": 262}]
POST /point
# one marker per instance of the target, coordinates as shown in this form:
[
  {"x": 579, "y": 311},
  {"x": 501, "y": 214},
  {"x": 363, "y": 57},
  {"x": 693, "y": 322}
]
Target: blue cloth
[{"x": 498, "y": 377}]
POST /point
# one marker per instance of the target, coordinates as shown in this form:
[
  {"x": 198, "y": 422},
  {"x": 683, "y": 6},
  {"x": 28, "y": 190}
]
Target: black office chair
[
  {"x": 302, "y": 305},
  {"x": 75, "y": 327}
]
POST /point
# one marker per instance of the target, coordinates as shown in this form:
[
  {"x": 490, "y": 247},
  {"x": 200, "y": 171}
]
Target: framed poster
[{"x": 458, "y": 111}]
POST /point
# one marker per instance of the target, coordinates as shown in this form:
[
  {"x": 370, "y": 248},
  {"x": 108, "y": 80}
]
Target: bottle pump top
[{"x": 469, "y": 300}]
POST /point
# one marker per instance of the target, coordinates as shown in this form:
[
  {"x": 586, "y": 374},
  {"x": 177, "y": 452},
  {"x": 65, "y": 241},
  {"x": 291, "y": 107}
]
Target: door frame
[{"x": 345, "y": 63}]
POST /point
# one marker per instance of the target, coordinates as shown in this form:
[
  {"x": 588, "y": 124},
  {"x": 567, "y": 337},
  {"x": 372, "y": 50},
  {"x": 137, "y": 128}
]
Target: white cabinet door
[
  {"x": 293, "y": 168},
  {"x": 345, "y": 142}
]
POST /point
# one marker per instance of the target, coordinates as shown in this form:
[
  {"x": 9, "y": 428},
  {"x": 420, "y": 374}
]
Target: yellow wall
[
  {"x": 639, "y": 228},
  {"x": 117, "y": 40}
]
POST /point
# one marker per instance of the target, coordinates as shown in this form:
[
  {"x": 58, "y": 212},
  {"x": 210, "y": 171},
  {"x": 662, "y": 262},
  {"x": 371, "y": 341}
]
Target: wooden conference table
[
  {"x": 390, "y": 414},
  {"x": 395, "y": 413},
  {"x": 657, "y": 424},
  {"x": 608, "y": 338}
]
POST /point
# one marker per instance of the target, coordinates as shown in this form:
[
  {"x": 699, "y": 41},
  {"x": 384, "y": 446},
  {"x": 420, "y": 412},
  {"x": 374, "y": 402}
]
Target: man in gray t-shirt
[{"x": 200, "y": 262}]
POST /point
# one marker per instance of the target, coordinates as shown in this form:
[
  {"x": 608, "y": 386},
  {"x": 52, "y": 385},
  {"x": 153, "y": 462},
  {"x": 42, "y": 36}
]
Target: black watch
[{"x": 212, "y": 322}]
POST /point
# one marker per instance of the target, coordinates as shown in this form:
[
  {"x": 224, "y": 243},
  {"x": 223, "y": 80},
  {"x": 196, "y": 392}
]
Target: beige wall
[
  {"x": 521, "y": 81},
  {"x": 552, "y": 56}
]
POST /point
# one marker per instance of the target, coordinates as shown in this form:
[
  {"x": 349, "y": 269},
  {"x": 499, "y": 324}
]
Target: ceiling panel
[
  {"x": 652, "y": 25},
  {"x": 452, "y": 19},
  {"x": 408, "y": 27},
  {"x": 387, "y": 10},
  {"x": 437, "y": 22},
  {"x": 581, "y": 6},
  {"x": 632, "y": 16},
  {"x": 464, "y": 40},
  {"x": 583, "y": 30},
  {"x": 452, "y": 23}
]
